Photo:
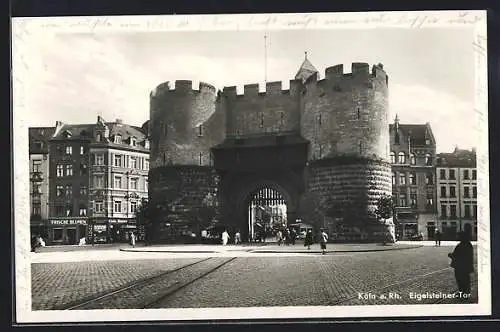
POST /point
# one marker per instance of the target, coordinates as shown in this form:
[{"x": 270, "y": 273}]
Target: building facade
[
  {"x": 326, "y": 139},
  {"x": 457, "y": 192},
  {"x": 39, "y": 179},
  {"x": 69, "y": 182},
  {"x": 119, "y": 159},
  {"x": 413, "y": 159}
]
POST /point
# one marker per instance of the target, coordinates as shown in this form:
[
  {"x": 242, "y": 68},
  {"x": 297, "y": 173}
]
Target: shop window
[{"x": 57, "y": 234}]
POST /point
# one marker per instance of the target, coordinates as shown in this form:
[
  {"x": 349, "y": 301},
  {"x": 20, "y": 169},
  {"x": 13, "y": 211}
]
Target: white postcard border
[{"x": 27, "y": 32}]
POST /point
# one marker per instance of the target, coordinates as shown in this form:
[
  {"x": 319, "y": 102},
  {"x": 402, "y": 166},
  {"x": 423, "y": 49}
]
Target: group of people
[
  {"x": 37, "y": 242},
  {"x": 286, "y": 236}
]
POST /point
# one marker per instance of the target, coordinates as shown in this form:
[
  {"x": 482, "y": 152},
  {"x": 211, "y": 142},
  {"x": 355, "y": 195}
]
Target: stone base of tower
[
  {"x": 185, "y": 198},
  {"x": 346, "y": 191}
]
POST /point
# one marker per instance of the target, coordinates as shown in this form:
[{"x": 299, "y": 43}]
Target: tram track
[{"x": 150, "y": 291}]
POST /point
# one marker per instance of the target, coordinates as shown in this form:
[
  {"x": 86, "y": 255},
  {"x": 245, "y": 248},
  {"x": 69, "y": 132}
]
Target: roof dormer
[
  {"x": 146, "y": 144},
  {"x": 133, "y": 141},
  {"x": 67, "y": 134},
  {"x": 117, "y": 139}
]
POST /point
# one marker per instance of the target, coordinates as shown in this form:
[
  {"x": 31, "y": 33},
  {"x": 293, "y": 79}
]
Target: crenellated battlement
[
  {"x": 358, "y": 70},
  {"x": 182, "y": 86},
  {"x": 274, "y": 88}
]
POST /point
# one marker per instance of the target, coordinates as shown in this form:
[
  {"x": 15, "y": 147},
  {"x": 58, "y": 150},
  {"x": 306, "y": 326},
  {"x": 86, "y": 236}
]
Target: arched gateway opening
[{"x": 266, "y": 212}]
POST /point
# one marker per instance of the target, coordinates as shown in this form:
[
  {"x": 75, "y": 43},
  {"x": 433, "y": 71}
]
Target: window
[
  {"x": 200, "y": 130},
  {"x": 60, "y": 170},
  {"x": 474, "y": 174},
  {"x": 118, "y": 181},
  {"x": 118, "y": 206},
  {"x": 413, "y": 178},
  {"x": 443, "y": 211},
  {"x": 118, "y": 160},
  {"x": 69, "y": 210},
  {"x": 83, "y": 190},
  {"x": 59, "y": 211},
  {"x": 98, "y": 137},
  {"x": 98, "y": 206},
  {"x": 443, "y": 191},
  {"x": 83, "y": 212},
  {"x": 466, "y": 174},
  {"x": 452, "y": 174},
  {"x": 429, "y": 179},
  {"x": 401, "y": 158},
  {"x": 99, "y": 159},
  {"x": 393, "y": 178},
  {"x": 402, "y": 199},
  {"x": 69, "y": 150},
  {"x": 146, "y": 144},
  {"x": 83, "y": 169},
  {"x": 393, "y": 158},
  {"x": 474, "y": 208},
  {"x": 118, "y": 139},
  {"x": 133, "y": 162},
  {"x": 413, "y": 200},
  {"x": 442, "y": 174},
  {"x": 82, "y": 150},
  {"x": 99, "y": 181},
  {"x": 133, "y": 183},
  {"x": 466, "y": 192},
  {"x": 133, "y": 207},
  {"x": 453, "y": 194},
  {"x": 453, "y": 211},
  {"x": 402, "y": 178},
  {"x": 37, "y": 188},
  {"x": 467, "y": 211},
  {"x": 282, "y": 118},
  {"x": 429, "y": 202},
  {"x": 474, "y": 192},
  {"x": 37, "y": 165},
  {"x": 413, "y": 159},
  {"x": 36, "y": 209},
  {"x": 146, "y": 164},
  {"x": 133, "y": 141},
  {"x": 69, "y": 190},
  {"x": 69, "y": 170},
  {"x": 428, "y": 159},
  {"x": 59, "y": 190}
]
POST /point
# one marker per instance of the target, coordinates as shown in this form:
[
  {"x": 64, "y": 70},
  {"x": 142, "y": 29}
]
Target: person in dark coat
[
  {"x": 309, "y": 239},
  {"x": 437, "y": 236},
  {"x": 462, "y": 260}
]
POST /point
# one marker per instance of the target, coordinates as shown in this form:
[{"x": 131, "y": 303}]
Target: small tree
[{"x": 385, "y": 207}]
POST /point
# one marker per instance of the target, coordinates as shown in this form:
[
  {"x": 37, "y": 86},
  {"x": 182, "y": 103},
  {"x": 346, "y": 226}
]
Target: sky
[{"x": 80, "y": 76}]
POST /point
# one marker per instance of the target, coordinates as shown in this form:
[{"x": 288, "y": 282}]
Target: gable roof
[
  {"x": 457, "y": 158},
  {"x": 306, "y": 70},
  {"x": 418, "y": 133},
  {"x": 39, "y": 138}
]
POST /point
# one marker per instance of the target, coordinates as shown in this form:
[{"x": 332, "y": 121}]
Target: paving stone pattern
[
  {"x": 57, "y": 284},
  {"x": 323, "y": 280}
]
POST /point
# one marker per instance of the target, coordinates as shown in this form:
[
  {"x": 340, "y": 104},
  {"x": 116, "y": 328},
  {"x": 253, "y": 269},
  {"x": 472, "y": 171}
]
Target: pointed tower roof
[{"x": 306, "y": 70}]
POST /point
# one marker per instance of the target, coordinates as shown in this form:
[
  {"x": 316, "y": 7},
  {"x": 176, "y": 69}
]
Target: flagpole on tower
[{"x": 265, "y": 57}]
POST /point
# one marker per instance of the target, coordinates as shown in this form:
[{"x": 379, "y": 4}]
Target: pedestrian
[
  {"x": 462, "y": 260},
  {"x": 132, "y": 239},
  {"x": 323, "y": 238},
  {"x": 237, "y": 237},
  {"x": 292, "y": 236},
  {"x": 309, "y": 239},
  {"x": 225, "y": 237},
  {"x": 279, "y": 237},
  {"x": 438, "y": 238}
]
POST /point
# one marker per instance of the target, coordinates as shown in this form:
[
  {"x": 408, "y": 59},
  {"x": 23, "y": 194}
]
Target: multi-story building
[
  {"x": 68, "y": 197},
  {"x": 457, "y": 192},
  {"x": 39, "y": 179},
  {"x": 413, "y": 158},
  {"x": 119, "y": 156}
]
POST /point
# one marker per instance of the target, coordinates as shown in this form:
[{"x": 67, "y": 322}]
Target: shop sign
[
  {"x": 68, "y": 222},
  {"x": 118, "y": 221},
  {"x": 99, "y": 227}
]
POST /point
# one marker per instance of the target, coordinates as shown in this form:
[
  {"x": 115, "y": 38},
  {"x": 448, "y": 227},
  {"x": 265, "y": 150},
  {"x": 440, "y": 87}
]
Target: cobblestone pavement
[
  {"x": 325, "y": 280},
  {"x": 57, "y": 284},
  {"x": 342, "y": 279}
]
